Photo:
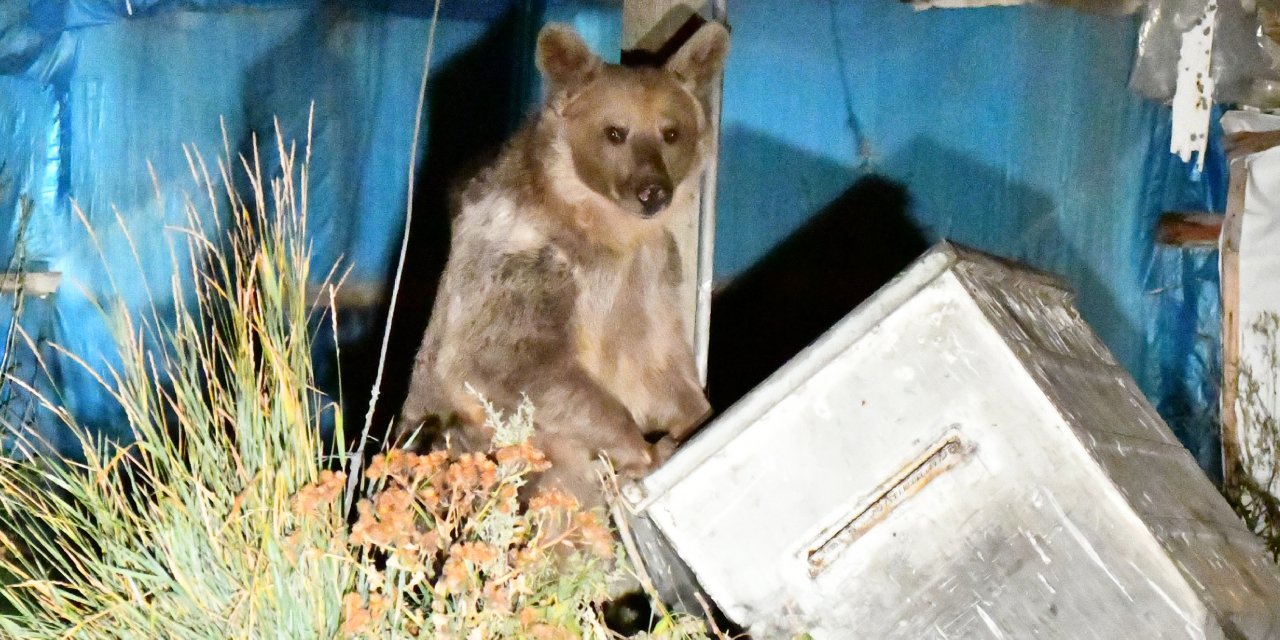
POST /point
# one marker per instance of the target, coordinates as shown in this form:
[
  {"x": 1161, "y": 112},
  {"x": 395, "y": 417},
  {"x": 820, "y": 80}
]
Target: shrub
[{"x": 225, "y": 518}]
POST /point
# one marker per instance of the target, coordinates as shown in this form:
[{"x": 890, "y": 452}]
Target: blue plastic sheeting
[
  {"x": 1011, "y": 130},
  {"x": 139, "y": 89},
  {"x": 100, "y": 101},
  {"x": 55, "y": 15},
  {"x": 29, "y": 155},
  {"x": 1184, "y": 339},
  {"x": 1182, "y": 317}
]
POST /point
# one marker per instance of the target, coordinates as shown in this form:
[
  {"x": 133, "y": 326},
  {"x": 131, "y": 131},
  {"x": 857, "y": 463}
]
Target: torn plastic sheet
[
  {"x": 1239, "y": 57},
  {"x": 1193, "y": 98}
]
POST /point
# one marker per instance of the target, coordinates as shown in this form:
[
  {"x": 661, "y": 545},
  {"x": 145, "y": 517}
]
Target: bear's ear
[
  {"x": 699, "y": 62},
  {"x": 564, "y": 59}
]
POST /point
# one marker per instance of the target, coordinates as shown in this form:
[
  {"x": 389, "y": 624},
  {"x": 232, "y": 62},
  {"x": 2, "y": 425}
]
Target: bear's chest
[{"x": 618, "y": 325}]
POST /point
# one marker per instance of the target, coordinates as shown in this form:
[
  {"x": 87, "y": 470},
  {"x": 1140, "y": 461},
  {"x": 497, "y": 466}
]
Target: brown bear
[{"x": 562, "y": 281}]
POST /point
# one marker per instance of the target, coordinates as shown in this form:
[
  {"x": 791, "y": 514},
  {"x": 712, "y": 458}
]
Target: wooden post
[
  {"x": 1229, "y": 259},
  {"x": 648, "y": 27},
  {"x": 1189, "y": 229}
]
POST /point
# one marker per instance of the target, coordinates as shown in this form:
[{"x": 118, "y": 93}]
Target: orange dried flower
[
  {"x": 506, "y": 498},
  {"x": 392, "y": 502},
  {"x": 378, "y": 605},
  {"x": 497, "y": 597},
  {"x": 377, "y": 467},
  {"x": 525, "y": 559},
  {"x": 331, "y": 485},
  {"x": 488, "y": 473},
  {"x": 364, "y": 523},
  {"x": 304, "y": 502},
  {"x": 401, "y": 465},
  {"x": 543, "y": 631},
  {"x": 454, "y": 575},
  {"x": 324, "y": 492},
  {"x": 429, "y": 543},
  {"x": 528, "y": 616},
  {"x": 524, "y": 453},
  {"x": 429, "y": 497},
  {"x": 426, "y": 467},
  {"x": 464, "y": 475},
  {"x": 355, "y": 617},
  {"x": 594, "y": 534},
  {"x": 552, "y": 499},
  {"x": 477, "y": 553}
]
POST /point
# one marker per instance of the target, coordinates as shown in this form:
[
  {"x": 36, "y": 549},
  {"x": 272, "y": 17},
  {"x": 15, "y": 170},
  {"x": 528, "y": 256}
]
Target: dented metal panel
[{"x": 959, "y": 457}]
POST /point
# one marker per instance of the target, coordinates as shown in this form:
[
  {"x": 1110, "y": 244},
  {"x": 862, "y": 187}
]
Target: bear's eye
[
  {"x": 670, "y": 135},
  {"x": 616, "y": 135}
]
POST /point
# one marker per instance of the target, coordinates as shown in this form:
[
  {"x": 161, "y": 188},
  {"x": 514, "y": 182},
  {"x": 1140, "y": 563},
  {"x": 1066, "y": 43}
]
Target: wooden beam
[
  {"x": 1245, "y": 143},
  {"x": 651, "y": 31},
  {"x": 1230, "y": 294},
  {"x": 1189, "y": 229},
  {"x": 31, "y": 283}
]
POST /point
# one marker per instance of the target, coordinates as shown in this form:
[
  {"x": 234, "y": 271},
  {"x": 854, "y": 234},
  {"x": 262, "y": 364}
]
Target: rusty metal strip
[{"x": 937, "y": 459}]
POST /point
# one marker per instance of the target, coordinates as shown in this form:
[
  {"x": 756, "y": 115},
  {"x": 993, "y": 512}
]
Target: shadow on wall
[
  {"x": 1187, "y": 371},
  {"x": 861, "y": 239},
  {"x": 312, "y": 72},
  {"x": 807, "y": 282},
  {"x": 469, "y": 115},
  {"x": 983, "y": 207},
  {"x": 312, "y": 58}
]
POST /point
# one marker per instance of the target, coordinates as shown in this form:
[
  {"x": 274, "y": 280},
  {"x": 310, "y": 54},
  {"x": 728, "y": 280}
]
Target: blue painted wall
[{"x": 1010, "y": 130}]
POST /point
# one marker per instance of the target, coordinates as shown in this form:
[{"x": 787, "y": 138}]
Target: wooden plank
[
  {"x": 1230, "y": 293},
  {"x": 650, "y": 29},
  {"x": 1188, "y": 229},
  {"x": 1245, "y": 143},
  {"x": 31, "y": 283}
]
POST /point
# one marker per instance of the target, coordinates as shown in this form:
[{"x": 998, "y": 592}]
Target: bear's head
[{"x": 632, "y": 135}]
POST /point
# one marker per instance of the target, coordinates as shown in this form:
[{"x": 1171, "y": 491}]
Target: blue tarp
[
  {"x": 1010, "y": 130},
  {"x": 1007, "y": 129}
]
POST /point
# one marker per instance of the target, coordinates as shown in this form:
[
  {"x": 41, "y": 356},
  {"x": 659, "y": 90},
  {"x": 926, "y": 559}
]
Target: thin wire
[{"x": 357, "y": 457}]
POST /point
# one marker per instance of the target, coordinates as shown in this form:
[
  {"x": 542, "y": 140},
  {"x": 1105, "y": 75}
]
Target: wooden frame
[
  {"x": 1190, "y": 229},
  {"x": 1240, "y": 145},
  {"x": 1229, "y": 259}
]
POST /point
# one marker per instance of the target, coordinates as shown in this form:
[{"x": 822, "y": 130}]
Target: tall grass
[
  {"x": 224, "y": 517},
  {"x": 188, "y": 530}
]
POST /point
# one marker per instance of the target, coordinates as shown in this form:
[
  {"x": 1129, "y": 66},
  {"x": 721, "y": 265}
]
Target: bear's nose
[{"x": 653, "y": 197}]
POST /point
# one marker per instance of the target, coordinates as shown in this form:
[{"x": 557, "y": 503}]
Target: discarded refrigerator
[{"x": 959, "y": 457}]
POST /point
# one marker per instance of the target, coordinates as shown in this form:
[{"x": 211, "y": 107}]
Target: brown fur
[{"x": 562, "y": 281}]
